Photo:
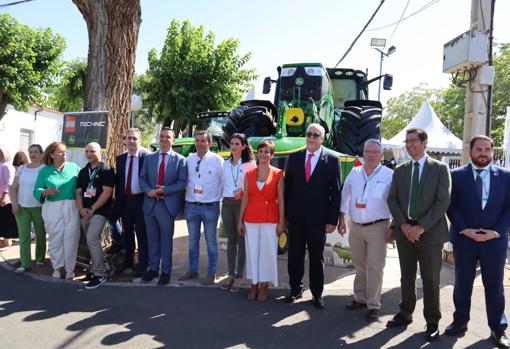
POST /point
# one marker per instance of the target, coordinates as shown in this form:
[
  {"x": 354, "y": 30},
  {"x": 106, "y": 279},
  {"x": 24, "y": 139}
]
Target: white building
[{"x": 18, "y": 130}]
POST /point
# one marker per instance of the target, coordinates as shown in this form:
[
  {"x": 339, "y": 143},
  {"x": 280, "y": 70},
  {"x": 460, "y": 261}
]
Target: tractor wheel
[
  {"x": 283, "y": 242},
  {"x": 252, "y": 121},
  {"x": 359, "y": 122}
]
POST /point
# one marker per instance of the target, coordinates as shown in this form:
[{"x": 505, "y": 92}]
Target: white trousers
[
  {"x": 261, "y": 252},
  {"x": 62, "y": 223}
]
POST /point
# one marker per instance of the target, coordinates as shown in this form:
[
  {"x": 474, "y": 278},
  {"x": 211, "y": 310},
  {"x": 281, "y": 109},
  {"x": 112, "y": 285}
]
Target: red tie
[
  {"x": 161, "y": 173},
  {"x": 308, "y": 167},
  {"x": 127, "y": 189}
]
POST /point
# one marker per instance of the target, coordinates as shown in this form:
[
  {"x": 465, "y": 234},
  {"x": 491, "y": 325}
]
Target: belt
[
  {"x": 202, "y": 203},
  {"x": 135, "y": 196},
  {"x": 370, "y": 223},
  {"x": 227, "y": 198}
]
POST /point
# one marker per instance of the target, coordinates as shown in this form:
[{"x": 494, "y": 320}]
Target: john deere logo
[{"x": 72, "y": 139}]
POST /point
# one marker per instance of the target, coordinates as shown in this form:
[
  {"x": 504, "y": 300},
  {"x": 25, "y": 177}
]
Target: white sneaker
[
  {"x": 20, "y": 270},
  {"x": 39, "y": 264},
  {"x": 56, "y": 274},
  {"x": 69, "y": 275}
]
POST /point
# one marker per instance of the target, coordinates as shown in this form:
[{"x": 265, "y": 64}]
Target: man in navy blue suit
[
  {"x": 480, "y": 219},
  {"x": 128, "y": 203},
  {"x": 163, "y": 180}
]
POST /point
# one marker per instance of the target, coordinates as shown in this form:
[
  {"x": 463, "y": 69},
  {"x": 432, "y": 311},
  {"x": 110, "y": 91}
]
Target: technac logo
[
  {"x": 70, "y": 124},
  {"x": 92, "y": 123}
]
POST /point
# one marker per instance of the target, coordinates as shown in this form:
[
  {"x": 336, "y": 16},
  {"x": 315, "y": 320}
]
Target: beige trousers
[{"x": 368, "y": 254}]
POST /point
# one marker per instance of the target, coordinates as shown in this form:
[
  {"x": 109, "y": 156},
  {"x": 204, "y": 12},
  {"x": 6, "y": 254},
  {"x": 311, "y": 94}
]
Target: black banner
[{"x": 81, "y": 128}]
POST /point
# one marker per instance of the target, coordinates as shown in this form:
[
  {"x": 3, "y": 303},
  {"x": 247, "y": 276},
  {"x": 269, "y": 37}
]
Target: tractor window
[
  {"x": 344, "y": 90},
  {"x": 312, "y": 84}
]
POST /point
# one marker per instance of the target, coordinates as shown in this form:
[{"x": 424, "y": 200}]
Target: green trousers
[{"x": 24, "y": 219}]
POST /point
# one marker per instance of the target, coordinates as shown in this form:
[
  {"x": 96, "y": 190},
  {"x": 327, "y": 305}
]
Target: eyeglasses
[
  {"x": 372, "y": 152},
  {"x": 313, "y": 135},
  {"x": 197, "y": 168}
]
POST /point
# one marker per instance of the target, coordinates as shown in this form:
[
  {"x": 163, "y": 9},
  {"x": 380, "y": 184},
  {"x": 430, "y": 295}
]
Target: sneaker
[
  {"x": 69, "y": 275},
  {"x": 40, "y": 264},
  {"x": 149, "y": 276},
  {"x": 236, "y": 286},
  {"x": 56, "y": 274},
  {"x": 227, "y": 284},
  {"x": 88, "y": 277},
  {"x": 20, "y": 270},
  {"x": 188, "y": 275},
  {"x": 208, "y": 280},
  {"x": 96, "y": 282}
]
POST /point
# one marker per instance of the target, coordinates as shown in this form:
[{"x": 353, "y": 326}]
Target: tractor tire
[
  {"x": 252, "y": 121},
  {"x": 359, "y": 122},
  {"x": 283, "y": 242}
]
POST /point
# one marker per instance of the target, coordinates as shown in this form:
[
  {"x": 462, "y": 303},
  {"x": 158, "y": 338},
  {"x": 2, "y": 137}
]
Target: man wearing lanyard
[
  {"x": 364, "y": 196},
  {"x": 94, "y": 199},
  {"x": 203, "y": 194},
  {"x": 163, "y": 179},
  {"x": 480, "y": 219}
]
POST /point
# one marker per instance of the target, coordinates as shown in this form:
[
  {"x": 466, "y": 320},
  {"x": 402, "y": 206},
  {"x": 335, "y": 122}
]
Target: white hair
[
  {"x": 317, "y": 126},
  {"x": 373, "y": 141}
]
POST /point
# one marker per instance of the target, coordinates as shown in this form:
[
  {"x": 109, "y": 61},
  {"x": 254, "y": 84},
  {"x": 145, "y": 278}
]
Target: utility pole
[{"x": 478, "y": 94}]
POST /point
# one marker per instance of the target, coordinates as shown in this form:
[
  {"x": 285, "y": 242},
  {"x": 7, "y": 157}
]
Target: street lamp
[
  {"x": 136, "y": 106},
  {"x": 390, "y": 51}
]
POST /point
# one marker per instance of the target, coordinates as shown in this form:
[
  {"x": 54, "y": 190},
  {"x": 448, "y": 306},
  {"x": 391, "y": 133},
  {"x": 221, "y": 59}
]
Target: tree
[
  {"x": 113, "y": 35},
  {"x": 192, "y": 74},
  {"x": 68, "y": 93},
  {"x": 29, "y": 59}
]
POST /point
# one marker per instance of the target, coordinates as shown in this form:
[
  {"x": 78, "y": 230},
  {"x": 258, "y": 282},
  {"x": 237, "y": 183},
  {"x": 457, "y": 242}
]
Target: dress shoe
[
  {"x": 455, "y": 329},
  {"x": 139, "y": 272},
  {"x": 149, "y": 276},
  {"x": 355, "y": 305},
  {"x": 164, "y": 279},
  {"x": 188, "y": 275},
  {"x": 373, "y": 315},
  {"x": 291, "y": 298},
  {"x": 500, "y": 339},
  {"x": 318, "y": 303},
  {"x": 208, "y": 280},
  {"x": 398, "y": 321},
  {"x": 431, "y": 333},
  {"x": 227, "y": 284},
  {"x": 252, "y": 293}
]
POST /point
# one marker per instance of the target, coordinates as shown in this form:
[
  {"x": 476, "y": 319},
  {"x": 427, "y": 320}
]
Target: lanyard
[
  {"x": 236, "y": 178},
  {"x": 92, "y": 174},
  {"x": 369, "y": 178}
]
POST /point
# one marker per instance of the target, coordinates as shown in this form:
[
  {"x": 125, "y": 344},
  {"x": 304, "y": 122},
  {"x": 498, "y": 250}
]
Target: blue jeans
[{"x": 195, "y": 216}]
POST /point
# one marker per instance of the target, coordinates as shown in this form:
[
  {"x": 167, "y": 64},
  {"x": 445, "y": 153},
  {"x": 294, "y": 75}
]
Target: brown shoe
[
  {"x": 252, "y": 294},
  {"x": 188, "y": 276},
  {"x": 208, "y": 280},
  {"x": 236, "y": 285},
  {"x": 355, "y": 305},
  {"x": 263, "y": 292},
  {"x": 227, "y": 284},
  {"x": 373, "y": 315}
]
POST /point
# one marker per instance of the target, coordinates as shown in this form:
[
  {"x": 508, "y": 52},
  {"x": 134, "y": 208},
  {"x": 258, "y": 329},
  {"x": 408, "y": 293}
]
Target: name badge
[
  {"x": 90, "y": 192},
  {"x": 237, "y": 191},
  {"x": 361, "y": 203},
  {"x": 198, "y": 189}
]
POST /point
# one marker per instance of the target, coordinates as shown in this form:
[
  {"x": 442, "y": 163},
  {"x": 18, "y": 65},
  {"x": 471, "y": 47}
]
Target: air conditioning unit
[{"x": 465, "y": 51}]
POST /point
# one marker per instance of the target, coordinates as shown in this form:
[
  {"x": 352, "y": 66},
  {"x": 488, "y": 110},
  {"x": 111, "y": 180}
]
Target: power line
[
  {"x": 14, "y": 3},
  {"x": 426, "y": 6},
  {"x": 365, "y": 27},
  {"x": 399, "y": 20}
]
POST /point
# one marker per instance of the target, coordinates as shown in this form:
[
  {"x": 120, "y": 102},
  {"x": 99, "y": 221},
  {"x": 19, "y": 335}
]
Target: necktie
[
  {"x": 161, "y": 173},
  {"x": 479, "y": 185},
  {"x": 415, "y": 184},
  {"x": 308, "y": 167},
  {"x": 127, "y": 189}
]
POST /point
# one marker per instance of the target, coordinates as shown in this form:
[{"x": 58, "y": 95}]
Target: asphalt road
[{"x": 35, "y": 313}]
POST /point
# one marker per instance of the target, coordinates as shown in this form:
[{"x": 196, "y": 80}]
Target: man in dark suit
[
  {"x": 129, "y": 201},
  {"x": 480, "y": 219},
  {"x": 418, "y": 199},
  {"x": 312, "y": 207},
  {"x": 163, "y": 180}
]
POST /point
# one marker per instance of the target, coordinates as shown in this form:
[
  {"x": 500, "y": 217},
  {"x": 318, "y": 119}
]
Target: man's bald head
[{"x": 93, "y": 153}]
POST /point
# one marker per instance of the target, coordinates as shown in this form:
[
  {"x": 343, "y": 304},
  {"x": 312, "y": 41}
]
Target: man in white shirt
[
  {"x": 364, "y": 196},
  {"x": 203, "y": 194}
]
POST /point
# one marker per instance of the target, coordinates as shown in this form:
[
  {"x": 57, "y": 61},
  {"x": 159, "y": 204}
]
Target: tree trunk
[
  {"x": 113, "y": 27},
  {"x": 3, "y": 104}
]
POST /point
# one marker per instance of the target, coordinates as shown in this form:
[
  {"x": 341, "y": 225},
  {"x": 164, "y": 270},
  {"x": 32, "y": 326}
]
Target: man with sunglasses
[
  {"x": 203, "y": 194},
  {"x": 312, "y": 197}
]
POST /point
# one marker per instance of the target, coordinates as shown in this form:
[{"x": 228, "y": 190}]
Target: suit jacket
[
  {"x": 432, "y": 202},
  {"x": 176, "y": 176},
  {"x": 466, "y": 211},
  {"x": 318, "y": 201},
  {"x": 120, "y": 178}
]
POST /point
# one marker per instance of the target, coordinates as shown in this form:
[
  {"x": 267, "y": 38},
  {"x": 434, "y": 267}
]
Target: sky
[{"x": 291, "y": 31}]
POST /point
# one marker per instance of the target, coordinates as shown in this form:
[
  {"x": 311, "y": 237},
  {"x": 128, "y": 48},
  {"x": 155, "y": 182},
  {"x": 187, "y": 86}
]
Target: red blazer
[{"x": 263, "y": 204}]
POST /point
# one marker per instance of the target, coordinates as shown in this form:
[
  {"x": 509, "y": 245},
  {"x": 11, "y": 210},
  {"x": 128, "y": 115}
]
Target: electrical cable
[
  {"x": 362, "y": 31},
  {"x": 399, "y": 20},
  {"x": 14, "y": 3}
]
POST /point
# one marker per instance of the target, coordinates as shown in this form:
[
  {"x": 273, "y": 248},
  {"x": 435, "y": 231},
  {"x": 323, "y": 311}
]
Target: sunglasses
[
  {"x": 313, "y": 135},
  {"x": 197, "y": 168}
]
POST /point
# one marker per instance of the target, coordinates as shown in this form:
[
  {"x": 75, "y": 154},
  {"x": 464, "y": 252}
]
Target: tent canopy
[{"x": 440, "y": 138}]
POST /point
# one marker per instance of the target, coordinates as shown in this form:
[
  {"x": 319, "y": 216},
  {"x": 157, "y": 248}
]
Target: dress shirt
[
  {"x": 208, "y": 174},
  {"x": 160, "y": 158},
  {"x": 375, "y": 194},
  {"x": 135, "y": 176},
  {"x": 315, "y": 159},
  {"x": 421, "y": 161},
  {"x": 486, "y": 181},
  {"x": 234, "y": 174}
]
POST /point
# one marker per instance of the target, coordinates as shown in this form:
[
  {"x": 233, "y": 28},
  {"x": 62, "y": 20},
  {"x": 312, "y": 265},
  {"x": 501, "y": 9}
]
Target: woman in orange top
[{"x": 261, "y": 221}]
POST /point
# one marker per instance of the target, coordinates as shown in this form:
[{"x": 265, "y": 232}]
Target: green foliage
[
  {"x": 501, "y": 92},
  {"x": 29, "y": 60},
  {"x": 144, "y": 120},
  {"x": 67, "y": 95},
  {"x": 192, "y": 74}
]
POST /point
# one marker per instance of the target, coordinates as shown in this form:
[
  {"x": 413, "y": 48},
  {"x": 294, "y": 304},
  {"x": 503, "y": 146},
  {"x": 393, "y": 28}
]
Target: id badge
[
  {"x": 361, "y": 203},
  {"x": 198, "y": 189},
  {"x": 237, "y": 191},
  {"x": 90, "y": 192}
]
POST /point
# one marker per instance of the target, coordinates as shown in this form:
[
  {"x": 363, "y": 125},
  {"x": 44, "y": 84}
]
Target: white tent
[{"x": 440, "y": 138}]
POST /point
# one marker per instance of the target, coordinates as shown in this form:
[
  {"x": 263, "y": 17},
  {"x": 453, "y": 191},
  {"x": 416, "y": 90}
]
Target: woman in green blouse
[{"x": 55, "y": 187}]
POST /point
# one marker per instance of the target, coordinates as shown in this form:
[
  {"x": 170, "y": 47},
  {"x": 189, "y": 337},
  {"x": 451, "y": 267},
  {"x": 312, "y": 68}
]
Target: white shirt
[
  {"x": 207, "y": 174},
  {"x": 375, "y": 194},
  {"x": 27, "y": 177},
  {"x": 233, "y": 176},
  {"x": 135, "y": 175},
  {"x": 485, "y": 175},
  {"x": 314, "y": 159}
]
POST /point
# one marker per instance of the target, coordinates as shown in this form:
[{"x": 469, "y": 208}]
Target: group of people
[{"x": 259, "y": 201}]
